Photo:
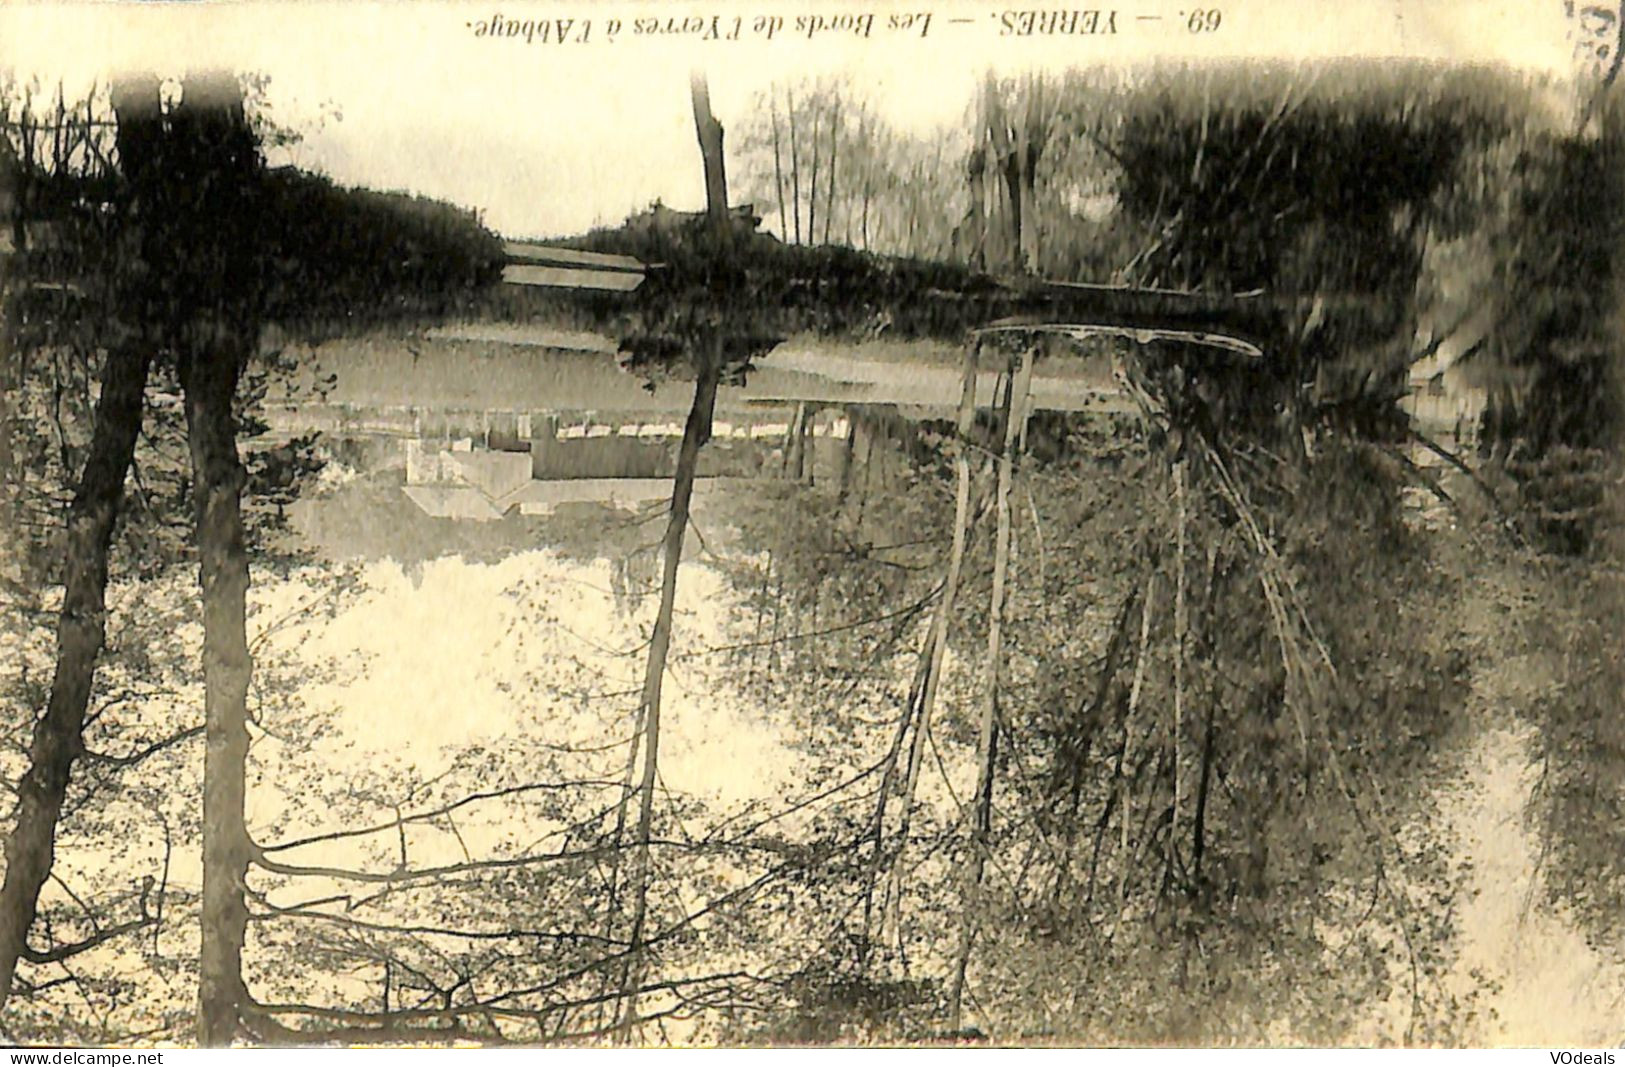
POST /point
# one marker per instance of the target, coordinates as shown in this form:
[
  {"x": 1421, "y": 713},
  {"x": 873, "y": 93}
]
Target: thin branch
[
  {"x": 60, "y": 953},
  {"x": 401, "y": 877},
  {"x": 141, "y": 754},
  {"x": 906, "y": 610},
  {"x": 277, "y": 912},
  {"x": 432, "y": 814},
  {"x": 1484, "y": 487}
]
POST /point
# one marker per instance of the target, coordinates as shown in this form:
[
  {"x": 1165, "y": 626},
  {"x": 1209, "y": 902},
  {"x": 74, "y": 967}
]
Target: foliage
[
  {"x": 1580, "y": 802},
  {"x": 1230, "y": 661},
  {"x": 96, "y": 268},
  {"x": 759, "y": 289},
  {"x": 1552, "y": 362},
  {"x": 1276, "y": 822},
  {"x": 822, "y": 165},
  {"x": 1326, "y": 198},
  {"x": 344, "y": 260}
]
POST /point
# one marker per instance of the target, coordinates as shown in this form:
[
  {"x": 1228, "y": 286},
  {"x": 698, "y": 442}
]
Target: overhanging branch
[{"x": 60, "y": 953}]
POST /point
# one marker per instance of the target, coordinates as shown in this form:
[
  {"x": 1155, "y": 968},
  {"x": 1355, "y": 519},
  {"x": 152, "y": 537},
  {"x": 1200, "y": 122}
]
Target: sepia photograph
[{"x": 646, "y": 525}]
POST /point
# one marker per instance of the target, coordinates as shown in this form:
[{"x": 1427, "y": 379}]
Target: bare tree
[
  {"x": 81, "y": 627},
  {"x": 778, "y": 165},
  {"x": 696, "y": 432},
  {"x": 812, "y": 177},
  {"x": 834, "y": 146},
  {"x": 1017, "y": 130},
  {"x": 1018, "y": 385},
  {"x": 795, "y": 165},
  {"x": 922, "y": 695}
]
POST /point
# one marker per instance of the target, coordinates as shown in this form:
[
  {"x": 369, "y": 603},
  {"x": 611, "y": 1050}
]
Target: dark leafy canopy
[
  {"x": 300, "y": 252},
  {"x": 1243, "y": 167},
  {"x": 1559, "y": 332},
  {"x": 309, "y": 258},
  {"x": 340, "y": 260},
  {"x": 1327, "y": 203},
  {"x": 1250, "y": 188},
  {"x": 759, "y": 291},
  {"x": 1551, "y": 354}
]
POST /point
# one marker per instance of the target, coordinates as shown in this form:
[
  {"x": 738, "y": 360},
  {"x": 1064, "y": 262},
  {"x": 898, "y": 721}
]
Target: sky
[{"x": 547, "y": 139}]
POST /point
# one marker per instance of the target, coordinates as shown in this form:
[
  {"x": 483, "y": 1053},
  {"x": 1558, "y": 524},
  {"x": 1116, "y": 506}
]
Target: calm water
[{"x": 386, "y": 381}]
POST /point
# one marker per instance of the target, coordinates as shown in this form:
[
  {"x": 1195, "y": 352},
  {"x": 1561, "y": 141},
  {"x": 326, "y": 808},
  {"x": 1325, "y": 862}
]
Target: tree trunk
[
  {"x": 1016, "y": 135},
  {"x": 709, "y": 133},
  {"x": 868, "y": 192},
  {"x": 217, "y": 335},
  {"x": 81, "y": 630},
  {"x": 812, "y": 182},
  {"x": 10, "y": 370},
  {"x": 938, "y": 642},
  {"x": 834, "y": 145},
  {"x": 987, "y": 740},
  {"x": 696, "y": 432},
  {"x": 794, "y": 442},
  {"x": 999, "y": 155},
  {"x": 1027, "y": 236},
  {"x": 1180, "y": 629},
  {"x": 795, "y": 165},
  {"x": 1030, "y": 146},
  {"x": 1013, "y": 202},
  {"x": 81, "y": 625},
  {"x": 843, "y": 463},
  {"x": 859, "y": 144},
  {"x": 913, "y": 207},
  {"x": 209, "y": 382},
  {"x": 778, "y": 171},
  {"x": 976, "y": 224}
]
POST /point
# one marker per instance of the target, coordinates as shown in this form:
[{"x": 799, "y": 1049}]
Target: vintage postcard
[{"x": 760, "y": 523}]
